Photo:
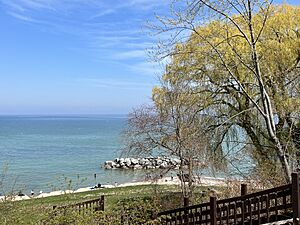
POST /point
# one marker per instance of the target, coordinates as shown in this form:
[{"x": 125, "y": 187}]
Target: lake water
[{"x": 45, "y": 152}]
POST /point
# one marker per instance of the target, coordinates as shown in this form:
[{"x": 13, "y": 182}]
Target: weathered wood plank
[{"x": 282, "y": 222}]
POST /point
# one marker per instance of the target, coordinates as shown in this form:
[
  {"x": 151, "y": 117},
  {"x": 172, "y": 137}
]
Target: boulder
[
  {"x": 142, "y": 161},
  {"x": 137, "y": 167},
  {"x": 150, "y": 167},
  {"x": 117, "y": 160},
  {"x": 107, "y": 167},
  {"x": 158, "y": 162},
  {"x": 147, "y": 162},
  {"x": 176, "y": 161},
  {"x": 111, "y": 163},
  {"x": 134, "y": 161},
  {"x": 127, "y": 161},
  {"x": 164, "y": 165}
]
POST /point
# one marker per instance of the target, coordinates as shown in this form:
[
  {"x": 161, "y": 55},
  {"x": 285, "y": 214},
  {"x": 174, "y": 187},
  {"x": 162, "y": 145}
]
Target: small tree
[{"x": 173, "y": 127}]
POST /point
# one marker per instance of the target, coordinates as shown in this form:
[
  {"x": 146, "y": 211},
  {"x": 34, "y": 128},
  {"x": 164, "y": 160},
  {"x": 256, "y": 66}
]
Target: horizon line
[{"x": 64, "y": 114}]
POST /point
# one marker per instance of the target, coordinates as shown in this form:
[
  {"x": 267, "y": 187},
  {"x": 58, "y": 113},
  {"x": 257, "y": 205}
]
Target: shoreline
[{"x": 203, "y": 181}]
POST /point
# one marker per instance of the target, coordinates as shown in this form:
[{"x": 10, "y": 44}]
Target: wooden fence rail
[
  {"x": 81, "y": 207},
  {"x": 280, "y": 203}
]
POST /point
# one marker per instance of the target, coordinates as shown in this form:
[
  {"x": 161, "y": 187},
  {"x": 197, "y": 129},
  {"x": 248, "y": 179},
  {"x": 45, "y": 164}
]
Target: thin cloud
[
  {"x": 145, "y": 68},
  {"x": 113, "y": 83},
  {"x": 140, "y": 54},
  {"x": 103, "y": 13},
  {"x": 22, "y": 17},
  {"x": 12, "y": 5},
  {"x": 29, "y": 4}
]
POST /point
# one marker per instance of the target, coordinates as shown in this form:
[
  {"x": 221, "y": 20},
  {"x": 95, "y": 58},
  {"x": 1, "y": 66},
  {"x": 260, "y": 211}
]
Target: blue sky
[{"x": 76, "y": 56}]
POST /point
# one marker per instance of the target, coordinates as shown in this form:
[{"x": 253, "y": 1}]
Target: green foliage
[
  {"x": 138, "y": 210},
  {"x": 39, "y": 211},
  {"x": 70, "y": 216},
  {"x": 240, "y": 67},
  {"x": 131, "y": 211},
  {"x": 129, "y": 205}
]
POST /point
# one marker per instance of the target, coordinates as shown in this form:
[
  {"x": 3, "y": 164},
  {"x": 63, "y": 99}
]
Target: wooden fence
[
  {"x": 81, "y": 207},
  {"x": 266, "y": 206}
]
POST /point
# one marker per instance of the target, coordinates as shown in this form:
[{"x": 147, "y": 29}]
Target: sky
[{"x": 77, "y": 56}]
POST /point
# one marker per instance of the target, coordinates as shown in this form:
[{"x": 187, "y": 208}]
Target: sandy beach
[{"x": 203, "y": 181}]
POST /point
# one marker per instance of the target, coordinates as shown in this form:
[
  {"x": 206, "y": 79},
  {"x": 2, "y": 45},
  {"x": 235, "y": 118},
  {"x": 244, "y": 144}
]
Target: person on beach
[
  {"x": 19, "y": 194},
  {"x": 32, "y": 193}
]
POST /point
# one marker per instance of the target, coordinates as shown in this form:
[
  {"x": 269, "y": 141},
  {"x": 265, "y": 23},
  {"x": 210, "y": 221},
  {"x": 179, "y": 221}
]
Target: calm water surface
[{"x": 45, "y": 152}]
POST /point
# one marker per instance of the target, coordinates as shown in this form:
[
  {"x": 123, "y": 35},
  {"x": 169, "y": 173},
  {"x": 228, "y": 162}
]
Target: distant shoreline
[{"x": 67, "y": 115}]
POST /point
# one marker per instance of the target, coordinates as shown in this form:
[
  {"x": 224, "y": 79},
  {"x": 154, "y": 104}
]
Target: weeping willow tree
[
  {"x": 233, "y": 69},
  {"x": 238, "y": 62}
]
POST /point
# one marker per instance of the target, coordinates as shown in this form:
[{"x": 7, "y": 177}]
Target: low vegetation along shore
[
  {"x": 167, "y": 181},
  {"x": 39, "y": 208}
]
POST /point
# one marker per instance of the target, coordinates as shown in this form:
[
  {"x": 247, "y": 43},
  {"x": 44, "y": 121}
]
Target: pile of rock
[{"x": 143, "y": 163}]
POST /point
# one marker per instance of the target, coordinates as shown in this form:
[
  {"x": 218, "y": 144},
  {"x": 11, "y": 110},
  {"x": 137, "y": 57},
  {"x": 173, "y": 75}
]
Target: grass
[{"x": 30, "y": 211}]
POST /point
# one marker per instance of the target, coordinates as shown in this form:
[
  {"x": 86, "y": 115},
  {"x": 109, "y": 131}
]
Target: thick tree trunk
[{"x": 284, "y": 161}]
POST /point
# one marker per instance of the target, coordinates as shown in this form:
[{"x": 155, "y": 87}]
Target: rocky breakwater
[{"x": 143, "y": 163}]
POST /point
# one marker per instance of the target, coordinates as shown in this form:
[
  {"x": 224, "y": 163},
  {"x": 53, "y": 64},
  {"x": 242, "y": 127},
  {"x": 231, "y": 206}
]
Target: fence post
[
  {"x": 102, "y": 199},
  {"x": 243, "y": 192},
  {"x": 186, "y": 212},
  {"x": 186, "y": 201},
  {"x": 154, "y": 216},
  {"x": 243, "y": 189},
  {"x": 213, "y": 210},
  {"x": 102, "y": 202},
  {"x": 296, "y": 198}
]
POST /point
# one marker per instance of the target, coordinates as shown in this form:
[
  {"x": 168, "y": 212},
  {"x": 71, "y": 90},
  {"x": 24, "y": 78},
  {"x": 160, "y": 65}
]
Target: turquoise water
[{"x": 40, "y": 151}]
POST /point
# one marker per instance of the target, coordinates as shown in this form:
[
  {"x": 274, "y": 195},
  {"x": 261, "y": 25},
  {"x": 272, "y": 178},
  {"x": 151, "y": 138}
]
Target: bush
[{"x": 131, "y": 211}]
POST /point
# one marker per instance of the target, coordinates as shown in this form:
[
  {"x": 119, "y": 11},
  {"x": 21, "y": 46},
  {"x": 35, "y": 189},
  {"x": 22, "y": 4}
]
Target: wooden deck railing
[
  {"x": 270, "y": 205},
  {"x": 81, "y": 207}
]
